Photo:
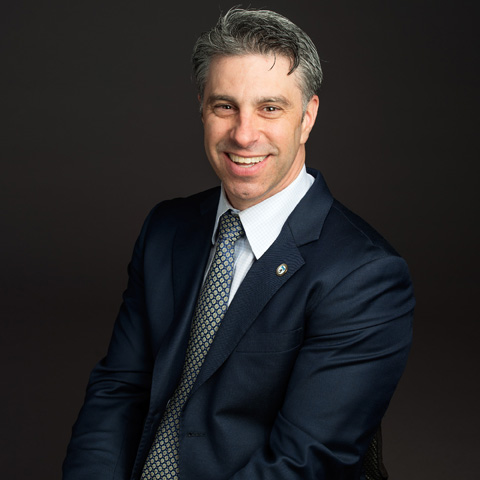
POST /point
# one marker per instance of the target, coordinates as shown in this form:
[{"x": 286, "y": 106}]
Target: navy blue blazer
[{"x": 301, "y": 370}]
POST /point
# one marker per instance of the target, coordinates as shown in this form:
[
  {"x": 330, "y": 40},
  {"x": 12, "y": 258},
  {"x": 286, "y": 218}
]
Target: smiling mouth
[{"x": 246, "y": 161}]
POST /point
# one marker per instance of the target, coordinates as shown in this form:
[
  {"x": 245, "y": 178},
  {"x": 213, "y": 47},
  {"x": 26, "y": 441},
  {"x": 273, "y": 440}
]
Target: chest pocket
[{"x": 270, "y": 342}]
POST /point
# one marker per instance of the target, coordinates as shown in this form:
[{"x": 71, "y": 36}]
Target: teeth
[{"x": 246, "y": 160}]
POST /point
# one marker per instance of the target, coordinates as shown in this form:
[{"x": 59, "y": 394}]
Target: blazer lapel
[
  {"x": 189, "y": 258},
  {"x": 190, "y": 255},
  {"x": 258, "y": 287},
  {"x": 262, "y": 281}
]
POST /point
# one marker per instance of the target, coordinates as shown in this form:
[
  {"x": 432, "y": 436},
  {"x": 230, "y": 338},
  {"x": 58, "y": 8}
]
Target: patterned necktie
[{"x": 162, "y": 460}]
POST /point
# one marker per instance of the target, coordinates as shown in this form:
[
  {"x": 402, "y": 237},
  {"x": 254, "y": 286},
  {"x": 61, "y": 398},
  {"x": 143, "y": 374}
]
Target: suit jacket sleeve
[
  {"x": 357, "y": 337},
  {"x": 106, "y": 434}
]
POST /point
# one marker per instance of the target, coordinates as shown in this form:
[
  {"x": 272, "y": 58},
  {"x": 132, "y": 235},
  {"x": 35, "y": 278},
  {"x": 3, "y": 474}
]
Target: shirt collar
[{"x": 263, "y": 222}]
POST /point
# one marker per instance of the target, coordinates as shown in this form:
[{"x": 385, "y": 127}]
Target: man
[{"x": 265, "y": 326}]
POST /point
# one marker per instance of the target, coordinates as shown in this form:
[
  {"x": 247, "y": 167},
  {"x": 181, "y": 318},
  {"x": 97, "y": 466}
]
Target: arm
[
  {"x": 105, "y": 435},
  {"x": 356, "y": 343}
]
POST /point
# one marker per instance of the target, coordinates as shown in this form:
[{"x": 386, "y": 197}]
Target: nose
[{"x": 245, "y": 131}]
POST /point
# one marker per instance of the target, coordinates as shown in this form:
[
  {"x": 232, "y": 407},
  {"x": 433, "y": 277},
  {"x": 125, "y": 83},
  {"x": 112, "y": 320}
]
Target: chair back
[{"x": 373, "y": 466}]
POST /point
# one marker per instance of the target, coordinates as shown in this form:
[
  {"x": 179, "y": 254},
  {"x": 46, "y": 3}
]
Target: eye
[
  {"x": 271, "y": 111},
  {"x": 223, "y": 109},
  {"x": 223, "y": 106}
]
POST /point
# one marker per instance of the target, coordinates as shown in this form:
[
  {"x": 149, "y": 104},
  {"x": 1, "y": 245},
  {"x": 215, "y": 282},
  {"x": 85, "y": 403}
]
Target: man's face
[{"x": 254, "y": 132}]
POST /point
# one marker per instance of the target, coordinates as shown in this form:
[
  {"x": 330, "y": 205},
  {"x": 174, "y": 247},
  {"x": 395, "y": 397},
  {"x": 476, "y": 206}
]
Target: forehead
[{"x": 252, "y": 74}]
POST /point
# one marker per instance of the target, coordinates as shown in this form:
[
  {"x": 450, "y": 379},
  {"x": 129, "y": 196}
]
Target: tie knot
[{"x": 230, "y": 227}]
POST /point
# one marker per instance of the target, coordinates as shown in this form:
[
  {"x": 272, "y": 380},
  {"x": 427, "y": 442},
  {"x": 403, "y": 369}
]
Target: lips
[{"x": 246, "y": 161}]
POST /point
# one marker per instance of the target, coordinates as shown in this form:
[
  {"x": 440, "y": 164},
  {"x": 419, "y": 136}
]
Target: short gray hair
[{"x": 250, "y": 31}]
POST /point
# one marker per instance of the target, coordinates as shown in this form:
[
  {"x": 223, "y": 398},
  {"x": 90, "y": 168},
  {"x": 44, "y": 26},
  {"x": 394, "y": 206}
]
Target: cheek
[
  {"x": 213, "y": 135},
  {"x": 207, "y": 133},
  {"x": 285, "y": 134}
]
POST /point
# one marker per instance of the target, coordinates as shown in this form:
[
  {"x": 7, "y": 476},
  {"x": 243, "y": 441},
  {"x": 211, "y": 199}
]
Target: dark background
[{"x": 101, "y": 122}]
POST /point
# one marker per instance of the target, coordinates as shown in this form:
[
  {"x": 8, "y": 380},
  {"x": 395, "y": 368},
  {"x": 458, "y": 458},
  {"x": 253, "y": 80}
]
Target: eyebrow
[
  {"x": 220, "y": 98},
  {"x": 280, "y": 99},
  {"x": 227, "y": 98}
]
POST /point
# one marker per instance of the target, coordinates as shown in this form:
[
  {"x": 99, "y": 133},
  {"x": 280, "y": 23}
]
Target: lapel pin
[{"x": 282, "y": 269}]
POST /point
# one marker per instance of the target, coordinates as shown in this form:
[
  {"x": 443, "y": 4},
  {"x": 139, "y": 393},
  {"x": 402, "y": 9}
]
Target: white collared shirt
[{"x": 262, "y": 224}]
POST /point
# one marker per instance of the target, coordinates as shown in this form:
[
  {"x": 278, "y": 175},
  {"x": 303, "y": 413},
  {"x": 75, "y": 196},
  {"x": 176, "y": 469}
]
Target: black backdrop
[{"x": 101, "y": 122}]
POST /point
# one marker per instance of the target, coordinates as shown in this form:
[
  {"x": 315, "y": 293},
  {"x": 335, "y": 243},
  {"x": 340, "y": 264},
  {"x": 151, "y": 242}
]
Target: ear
[{"x": 309, "y": 118}]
